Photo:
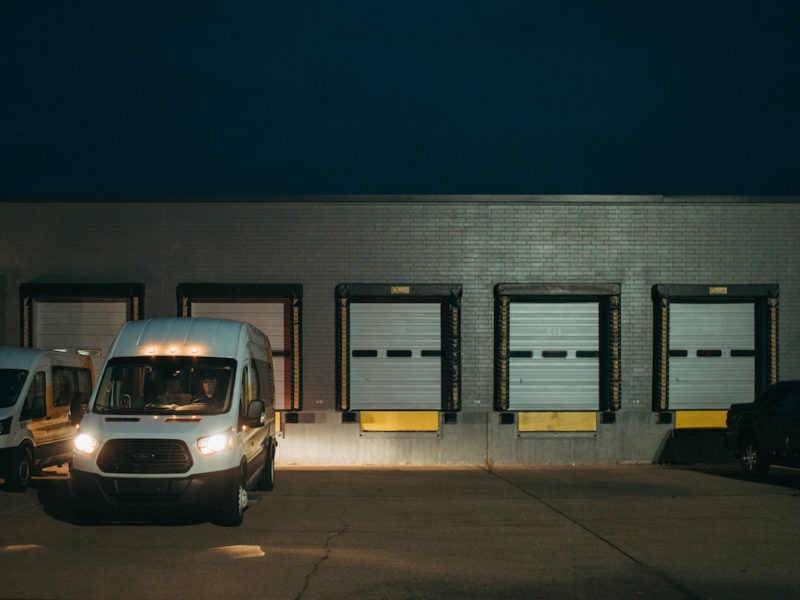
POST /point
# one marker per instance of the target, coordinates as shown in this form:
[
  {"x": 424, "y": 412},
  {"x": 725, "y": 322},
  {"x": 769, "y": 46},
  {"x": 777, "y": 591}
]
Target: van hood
[{"x": 149, "y": 426}]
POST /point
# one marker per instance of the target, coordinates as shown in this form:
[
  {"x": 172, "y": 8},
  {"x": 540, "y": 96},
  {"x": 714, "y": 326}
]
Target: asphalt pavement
[{"x": 428, "y": 533}]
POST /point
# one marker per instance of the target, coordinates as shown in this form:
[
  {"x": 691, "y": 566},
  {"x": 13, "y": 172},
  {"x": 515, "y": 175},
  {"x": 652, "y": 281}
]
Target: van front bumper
[{"x": 203, "y": 491}]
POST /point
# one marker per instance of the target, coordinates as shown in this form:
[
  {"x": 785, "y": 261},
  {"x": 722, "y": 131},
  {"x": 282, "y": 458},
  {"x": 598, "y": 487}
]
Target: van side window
[
  {"x": 266, "y": 391},
  {"x": 244, "y": 393},
  {"x": 255, "y": 394},
  {"x": 35, "y": 400},
  {"x": 71, "y": 383}
]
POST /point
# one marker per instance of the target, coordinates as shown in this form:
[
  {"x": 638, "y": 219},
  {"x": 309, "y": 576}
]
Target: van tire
[
  {"x": 232, "y": 514},
  {"x": 20, "y": 468},
  {"x": 267, "y": 478}
]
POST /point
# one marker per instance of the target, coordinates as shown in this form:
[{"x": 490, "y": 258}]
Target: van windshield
[
  {"x": 166, "y": 385},
  {"x": 11, "y": 381}
]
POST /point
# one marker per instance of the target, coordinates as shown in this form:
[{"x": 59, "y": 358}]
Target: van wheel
[
  {"x": 233, "y": 514},
  {"x": 19, "y": 470},
  {"x": 267, "y": 480},
  {"x": 753, "y": 463}
]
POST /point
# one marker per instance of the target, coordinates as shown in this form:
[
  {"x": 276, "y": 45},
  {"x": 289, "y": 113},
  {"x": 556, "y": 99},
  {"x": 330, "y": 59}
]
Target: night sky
[{"x": 409, "y": 97}]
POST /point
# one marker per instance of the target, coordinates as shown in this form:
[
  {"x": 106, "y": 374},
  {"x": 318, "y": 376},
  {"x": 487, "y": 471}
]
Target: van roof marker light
[{"x": 174, "y": 350}]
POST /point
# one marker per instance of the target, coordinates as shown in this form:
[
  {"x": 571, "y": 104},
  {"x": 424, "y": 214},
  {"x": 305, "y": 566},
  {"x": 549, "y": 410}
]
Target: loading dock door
[
  {"x": 554, "y": 355},
  {"x": 711, "y": 355},
  {"x": 395, "y": 356},
  {"x": 271, "y": 318},
  {"x": 86, "y": 325}
]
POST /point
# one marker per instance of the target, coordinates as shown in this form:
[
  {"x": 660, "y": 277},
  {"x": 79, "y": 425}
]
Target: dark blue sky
[{"x": 451, "y": 97}]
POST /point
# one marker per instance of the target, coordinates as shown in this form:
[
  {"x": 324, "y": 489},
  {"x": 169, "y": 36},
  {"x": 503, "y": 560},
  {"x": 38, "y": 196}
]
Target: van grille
[{"x": 144, "y": 456}]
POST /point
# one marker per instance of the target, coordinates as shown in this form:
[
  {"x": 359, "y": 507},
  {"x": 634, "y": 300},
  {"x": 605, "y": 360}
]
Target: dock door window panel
[
  {"x": 398, "y": 347},
  {"x": 557, "y": 349},
  {"x": 275, "y": 309},
  {"x": 713, "y": 346}
]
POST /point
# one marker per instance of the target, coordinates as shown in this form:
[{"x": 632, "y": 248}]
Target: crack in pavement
[
  {"x": 679, "y": 587},
  {"x": 320, "y": 560}
]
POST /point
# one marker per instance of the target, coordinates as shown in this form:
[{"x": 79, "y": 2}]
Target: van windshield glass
[
  {"x": 166, "y": 385},
  {"x": 11, "y": 381}
]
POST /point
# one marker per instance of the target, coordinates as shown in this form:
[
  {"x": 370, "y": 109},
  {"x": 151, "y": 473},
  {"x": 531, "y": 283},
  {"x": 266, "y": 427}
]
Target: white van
[
  {"x": 182, "y": 418},
  {"x": 42, "y": 396}
]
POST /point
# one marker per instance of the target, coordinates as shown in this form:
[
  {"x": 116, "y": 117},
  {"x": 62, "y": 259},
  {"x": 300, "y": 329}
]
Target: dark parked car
[{"x": 766, "y": 431}]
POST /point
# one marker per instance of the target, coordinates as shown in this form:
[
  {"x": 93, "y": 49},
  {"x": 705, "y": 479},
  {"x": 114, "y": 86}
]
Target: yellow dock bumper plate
[
  {"x": 558, "y": 421},
  {"x": 700, "y": 419},
  {"x": 399, "y": 420}
]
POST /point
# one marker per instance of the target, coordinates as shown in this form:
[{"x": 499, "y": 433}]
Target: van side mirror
[{"x": 255, "y": 414}]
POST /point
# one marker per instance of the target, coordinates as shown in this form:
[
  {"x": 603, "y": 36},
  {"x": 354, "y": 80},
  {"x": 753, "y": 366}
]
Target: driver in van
[{"x": 211, "y": 391}]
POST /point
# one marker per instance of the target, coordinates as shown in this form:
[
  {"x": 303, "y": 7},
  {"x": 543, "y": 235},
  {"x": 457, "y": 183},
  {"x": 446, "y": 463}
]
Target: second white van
[
  {"x": 42, "y": 396},
  {"x": 181, "y": 419}
]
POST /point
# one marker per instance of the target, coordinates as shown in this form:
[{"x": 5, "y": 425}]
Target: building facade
[{"x": 445, "y": 330}]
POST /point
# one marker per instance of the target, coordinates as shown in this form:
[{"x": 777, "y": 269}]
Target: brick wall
[{"x": 472, "y": 242}]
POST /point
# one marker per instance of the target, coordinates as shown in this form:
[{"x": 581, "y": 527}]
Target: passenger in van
[{"x": 211, "y": 393}]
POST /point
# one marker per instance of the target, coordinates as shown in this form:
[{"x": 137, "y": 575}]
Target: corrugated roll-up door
[
  {"x": 711, "y": 355},
  {"x": 271, "y": 318},
  {"x": 395, "y": 356},
  {"x": 554, "y": 354},
  {"x": 85, "y": 325}
]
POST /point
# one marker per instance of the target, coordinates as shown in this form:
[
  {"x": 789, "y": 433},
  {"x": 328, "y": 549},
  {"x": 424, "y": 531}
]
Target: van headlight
[
  {"x": 85, "y": 443},
  {"x": 214, "y": 444}
]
